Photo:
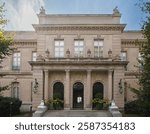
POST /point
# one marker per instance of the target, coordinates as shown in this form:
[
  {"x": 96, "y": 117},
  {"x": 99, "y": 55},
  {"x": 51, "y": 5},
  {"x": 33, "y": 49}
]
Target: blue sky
[{"x": 22, "y": 13}]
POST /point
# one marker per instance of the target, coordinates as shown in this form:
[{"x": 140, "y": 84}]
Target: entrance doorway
[
  {"x": 97, "y": 92},
  {"x": 58, "y": 94},
  {"x": 78, "y": 95}
]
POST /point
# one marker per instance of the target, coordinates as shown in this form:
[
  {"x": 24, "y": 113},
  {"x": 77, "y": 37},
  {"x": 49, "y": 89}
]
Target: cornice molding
[{"x": 114, "y": 27}]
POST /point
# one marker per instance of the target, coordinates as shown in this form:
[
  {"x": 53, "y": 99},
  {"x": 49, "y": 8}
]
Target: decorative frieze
[
  {"x": 128, "y": 43},
  {"x": 118, "y": 27},
  {"x": 24, "y": 43}
]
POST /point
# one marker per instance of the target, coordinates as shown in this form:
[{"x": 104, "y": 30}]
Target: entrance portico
[{"x": 86, "y": 75}]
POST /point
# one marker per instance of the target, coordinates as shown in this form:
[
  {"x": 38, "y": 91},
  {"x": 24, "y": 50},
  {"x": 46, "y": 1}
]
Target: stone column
[
  {"x": 46, "y": 85},
  {"x": 67, "y": 91},
  {"x": 88, "y": 92},
  {"x": 110, "y": 84}
]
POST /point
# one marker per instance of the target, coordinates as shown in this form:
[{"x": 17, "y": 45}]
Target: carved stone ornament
[
  {"x": 35, "y": 86},
  {"x": 42, "y": 10},
  {"x": 47, "y": 54},
  {"x": 40, "y": 58},
  {"x": 68, "y": 53},
  {"x": 89, "y": 53},
  {"x": 116, "y": 11},
  {"x": 110, "y": 53}
]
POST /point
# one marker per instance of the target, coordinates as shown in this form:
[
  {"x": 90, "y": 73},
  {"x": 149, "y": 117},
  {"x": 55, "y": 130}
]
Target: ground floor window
[{"x": 15, "y": 90}]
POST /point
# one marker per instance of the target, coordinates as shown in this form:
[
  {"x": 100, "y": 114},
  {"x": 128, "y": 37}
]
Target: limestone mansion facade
[{"x": 75, "y": 57}]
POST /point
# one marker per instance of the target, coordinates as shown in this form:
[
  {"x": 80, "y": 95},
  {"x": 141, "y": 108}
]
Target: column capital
[
  {"x": 89, "y": 70},
  {"x": 110, "y": 70},
  {"x": 67, "y": 70},
  {"x": 46, "y": 71}
]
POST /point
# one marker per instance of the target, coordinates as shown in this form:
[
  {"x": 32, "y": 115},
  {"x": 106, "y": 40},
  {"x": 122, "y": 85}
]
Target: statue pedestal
[
  {"x": 114, "y": 110},
  {"x": 40, "y": 110}
]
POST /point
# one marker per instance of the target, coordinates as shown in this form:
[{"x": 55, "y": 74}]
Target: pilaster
[
  {"x": 88, "y": 92},
  {"x": 67, "y": 91},
  {"x": 110, "y": 84},
  {"x": 46, "y": 85}
]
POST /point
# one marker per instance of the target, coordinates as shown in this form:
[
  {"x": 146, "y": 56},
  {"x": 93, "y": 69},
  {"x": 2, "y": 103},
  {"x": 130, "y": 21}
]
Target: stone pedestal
[
  {"x": 41, "y": 109},
  {"x": 114, "y": 110}
]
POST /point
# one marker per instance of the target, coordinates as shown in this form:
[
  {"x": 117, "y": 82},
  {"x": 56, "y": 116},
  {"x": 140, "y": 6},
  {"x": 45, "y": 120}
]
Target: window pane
[
  {"x": 98, "y": 48},
  {"x": 59, "y": 48},
  {"x": 78, "y": 48},
  {"x": 16, "y": 60},
  {"x": 61, "y": 43},
  {"x": 123, "y": 56}
]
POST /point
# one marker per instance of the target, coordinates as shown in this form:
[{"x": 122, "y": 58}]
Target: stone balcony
[{"x": 78, "y": 62}]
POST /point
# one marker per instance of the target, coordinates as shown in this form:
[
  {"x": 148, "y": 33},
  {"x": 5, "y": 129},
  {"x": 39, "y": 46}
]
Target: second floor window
[
  {"x": 59, "y": 48},
  {"x": 16, "y": 61},
  {"x": 78, "y": 48},
  {"x": 34, "y": 56},
  {"x": 98, "y": 48}
]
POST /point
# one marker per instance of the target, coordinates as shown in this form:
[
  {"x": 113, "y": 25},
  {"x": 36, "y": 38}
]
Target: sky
[{"x": 23, "y": 13}]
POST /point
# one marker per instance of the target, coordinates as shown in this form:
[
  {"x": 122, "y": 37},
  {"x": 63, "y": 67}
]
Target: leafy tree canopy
[{"x": 144, "y": 80}]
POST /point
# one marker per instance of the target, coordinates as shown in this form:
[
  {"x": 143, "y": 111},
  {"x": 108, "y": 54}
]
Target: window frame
[
  {"x": 100, "y": 51},
  {"x": 79, "y": 47},
  {"x": 15, "y": 90},
  {"x": 60, "y": 49},
  {"x": 16, "y": 61},
  {"x": 123, "y": 58},
  {"x": 34, "y": 57}
]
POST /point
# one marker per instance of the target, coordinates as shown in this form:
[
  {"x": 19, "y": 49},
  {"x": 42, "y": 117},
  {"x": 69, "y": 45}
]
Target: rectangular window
[
  {"x": 78, "y": 48},
  {"x": 123, "y": 56},
  {"x": 98, "y": 48},
  {"x": 16, "y": 61},
  {"x": 15, "y": 90},
  {"x": 59, "y": 48},
  {"x": 34, "y": 56}
]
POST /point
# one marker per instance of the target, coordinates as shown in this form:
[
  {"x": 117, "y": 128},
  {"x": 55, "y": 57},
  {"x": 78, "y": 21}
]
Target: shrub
[
  {"x": 9, "y": 106},
  {"x": 57, "y": 103},
  {"x": 132, "y": 107}
]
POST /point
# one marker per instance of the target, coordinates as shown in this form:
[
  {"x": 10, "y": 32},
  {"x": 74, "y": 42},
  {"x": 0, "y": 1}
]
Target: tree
[
  {"x": 5, "y": 42},
  {"x": 144, "y": 79}
]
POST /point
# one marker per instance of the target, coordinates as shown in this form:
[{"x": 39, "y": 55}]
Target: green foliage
[
  {"x": 142, "y": 105},
  {"x": 132, "y": 107},
  {"x": 2, "y": 17},
  {"x": 56, "y": 103},
  {"x": 3, "y": 89},
  {"x": 99, "y": 103},
  {"x": 5, "y": 41},
  {"x": 9, "y": 106}
]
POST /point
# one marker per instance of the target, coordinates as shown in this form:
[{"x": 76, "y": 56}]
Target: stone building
[{"x": 75, "y": 57}]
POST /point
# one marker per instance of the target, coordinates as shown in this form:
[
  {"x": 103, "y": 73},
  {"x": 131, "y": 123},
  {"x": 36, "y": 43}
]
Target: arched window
[
  {"x": 58, "y": 93},
  {"x": 97, "y": 91}
]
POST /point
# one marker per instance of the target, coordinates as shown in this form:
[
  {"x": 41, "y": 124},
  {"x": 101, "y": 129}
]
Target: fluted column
[
  {"x": 88, "y": 91},
  {"x": 67, "y": 91},
  {"x": 110, "y": 84},
  {"x": 46, "y": 85}
]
